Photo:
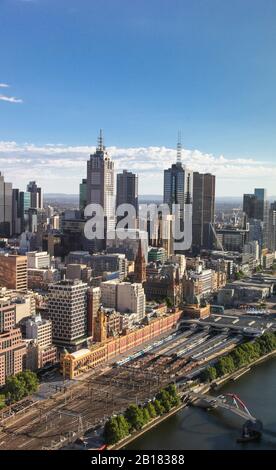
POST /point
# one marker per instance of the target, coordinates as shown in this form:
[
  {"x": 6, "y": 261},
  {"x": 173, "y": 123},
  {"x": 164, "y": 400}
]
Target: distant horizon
[
  {"x": 61, "y": 166},
  {"x": 141, "y": 71},
  {"x": 149, "y": 196}
]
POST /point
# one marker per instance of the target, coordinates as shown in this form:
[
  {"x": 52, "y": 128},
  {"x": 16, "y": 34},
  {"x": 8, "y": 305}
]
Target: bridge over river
[{"x": 252, "y": 426}]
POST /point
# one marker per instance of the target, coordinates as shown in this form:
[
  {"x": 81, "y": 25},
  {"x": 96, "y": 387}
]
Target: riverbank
[
  {"x": 239, "y": 373},
  {"x": 203, "y": 388},
  {"x": 155, "y": 422}
]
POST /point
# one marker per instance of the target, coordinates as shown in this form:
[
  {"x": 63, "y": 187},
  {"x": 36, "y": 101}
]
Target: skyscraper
[
  {"x": 178, "y": 186},
  {"x": 16, "y": 216},
  {"x": 83, "y": 194},
  {"x": 36, "y": 195},
  {"x": 256, "y": 208},
  {"x": 272, "y": 227},
  {"x": 127, "y": 192},
  {"x": 249, "y": 205},
  {"x": 24, "y": 206},
  {"x": 204, "y": 188},
  {"x": 5, "y": 208},
  {"x": 255, "y": 205},
  {"x": 67, "y": 308},
  {"x": 261, "y": 203},
  {"x": 100, "y": 183}
]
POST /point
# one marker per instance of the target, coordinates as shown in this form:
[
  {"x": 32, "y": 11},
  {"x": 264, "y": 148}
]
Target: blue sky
[{"x": 141, "y": 70}]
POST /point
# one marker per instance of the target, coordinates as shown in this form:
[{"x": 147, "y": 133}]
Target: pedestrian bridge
[{"x": 229, "y": 401}]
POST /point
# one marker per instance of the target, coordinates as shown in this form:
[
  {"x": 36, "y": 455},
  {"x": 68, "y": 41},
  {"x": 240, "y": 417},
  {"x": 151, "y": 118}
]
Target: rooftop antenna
[
  {"x": 101, "y": 141},
  {"x": 179, "y": 149}
]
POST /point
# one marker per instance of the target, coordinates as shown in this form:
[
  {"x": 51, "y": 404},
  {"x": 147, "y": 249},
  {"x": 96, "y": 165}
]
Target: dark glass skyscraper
[
  {"x": 127, "y": 192},
  {"x": 256, "y": 208},
  {"x": 36, "y": 195},
  {"x": 83, "y": 195},
  {"x": 204, "y": 191},
  {"x": 5, "y": 208}
]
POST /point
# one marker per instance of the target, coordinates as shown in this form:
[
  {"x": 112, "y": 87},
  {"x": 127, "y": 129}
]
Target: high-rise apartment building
[
  {"x": 67, "y": 308},
  {"x": 203, "y": 210},
  {"x": 5, "y": 208},
  {"x": 13, "y": 272}
]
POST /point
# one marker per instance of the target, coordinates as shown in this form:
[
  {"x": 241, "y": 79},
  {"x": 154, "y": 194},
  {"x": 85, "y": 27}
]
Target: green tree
[
  {"x": 174, "y": 397},
  {"x": 159, "y": 408},
  {"x": 14, "y": 389},
  {"x": 123, "y": 425},
  {"x": 134, "y": 416},
  {"x": 164, "y": 397},
  {"x": 209, "y": 374},
  {"x": 225, "y": 365},
  {"x": 112, "y": 433},
  {"x": 146, "y": 415},
  {"x": 30, "y": 380},
  {"x": 151, "y": 410}
]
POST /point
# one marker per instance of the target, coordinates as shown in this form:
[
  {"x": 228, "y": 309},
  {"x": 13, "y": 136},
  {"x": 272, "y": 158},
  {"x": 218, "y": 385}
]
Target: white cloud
[
  {"x": 10, "y": 99},
  {"x": 60, "y": 168}
]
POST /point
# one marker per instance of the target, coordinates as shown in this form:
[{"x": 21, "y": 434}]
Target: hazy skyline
[{"x": 141, "y": 71}]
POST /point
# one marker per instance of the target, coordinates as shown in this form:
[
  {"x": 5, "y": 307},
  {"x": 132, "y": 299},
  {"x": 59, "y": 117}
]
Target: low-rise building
[
  {"x": 40, "y": 278},
  {"x": 38, "y": 259}
]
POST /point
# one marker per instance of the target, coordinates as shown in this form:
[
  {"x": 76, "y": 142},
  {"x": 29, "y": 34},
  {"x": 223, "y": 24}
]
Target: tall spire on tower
[
  {"x": 179, "y": 149},
  {"x": 101, "y": 141},
  {"x": 140, "y": 265}
]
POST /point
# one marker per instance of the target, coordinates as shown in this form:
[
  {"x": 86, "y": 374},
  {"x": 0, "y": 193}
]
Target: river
[{"x": 195, "y": 428}]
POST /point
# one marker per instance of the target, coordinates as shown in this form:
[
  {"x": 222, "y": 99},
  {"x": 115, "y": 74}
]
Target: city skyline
[
  {"x": 137, "y": 228},
  {"x": 207, "y": 68},
  {"x": 59, "y": 169}
]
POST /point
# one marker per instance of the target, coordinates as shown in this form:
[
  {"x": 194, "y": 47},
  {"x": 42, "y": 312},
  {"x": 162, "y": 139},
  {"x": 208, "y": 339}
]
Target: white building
[
  {"x": 252, "y": 248},
  {"x": 40, "y": 330},
  {"x": 124, "y": 297},
  {"x": 38, "y": 259}
]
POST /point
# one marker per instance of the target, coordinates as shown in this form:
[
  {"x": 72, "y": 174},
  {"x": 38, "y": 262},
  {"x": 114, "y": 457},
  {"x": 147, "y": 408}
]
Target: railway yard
[{"x": 89, "y": 401}]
